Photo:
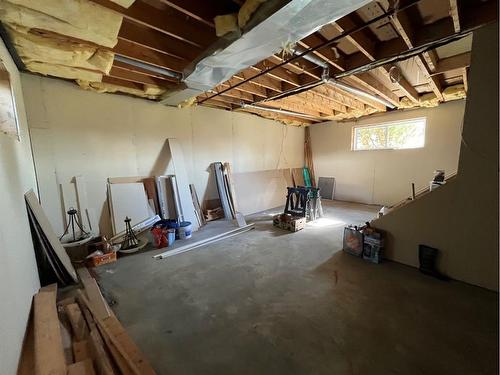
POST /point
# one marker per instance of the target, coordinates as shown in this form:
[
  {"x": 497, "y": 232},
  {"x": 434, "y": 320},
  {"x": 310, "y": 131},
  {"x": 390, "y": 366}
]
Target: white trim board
[{"x": 186, "y": 202}]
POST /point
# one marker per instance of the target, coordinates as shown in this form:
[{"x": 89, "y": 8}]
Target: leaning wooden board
[
  {"x": 99, "y": 305},
  {"x": 49, "y": 352},
  {"x": 126, "y": 354},
  {"x": 44, "y": 223}
]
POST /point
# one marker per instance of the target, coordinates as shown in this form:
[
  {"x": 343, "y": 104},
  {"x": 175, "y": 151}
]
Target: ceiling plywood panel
[
  {"x": 433, "y": 10},
  {"x": 382, "y": 29},
  {"x": 455, "y": 48}
]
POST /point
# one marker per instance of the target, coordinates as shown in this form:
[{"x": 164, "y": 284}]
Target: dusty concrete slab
[{"x": 273, "y": 302}]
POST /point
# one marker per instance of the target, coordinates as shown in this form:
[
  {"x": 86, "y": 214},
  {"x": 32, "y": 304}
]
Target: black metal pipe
[{"x": 312, "y": 49}]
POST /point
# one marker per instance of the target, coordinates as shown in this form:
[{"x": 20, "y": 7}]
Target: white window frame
[
  {"x": 386, "y": 125},
  {"x": 15, "y": 133}
]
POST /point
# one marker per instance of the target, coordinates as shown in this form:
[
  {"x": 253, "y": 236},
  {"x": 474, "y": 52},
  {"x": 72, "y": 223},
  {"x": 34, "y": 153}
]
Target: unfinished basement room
[{"x": 250, "y": 187}]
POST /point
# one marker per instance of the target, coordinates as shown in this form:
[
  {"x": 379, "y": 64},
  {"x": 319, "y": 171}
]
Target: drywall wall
[
  {"x": 384, "y": 176},
  {"x": 76, "y": 132},
  {"x": 461, "y": 218},
  {"x": 18, "y": 273}
]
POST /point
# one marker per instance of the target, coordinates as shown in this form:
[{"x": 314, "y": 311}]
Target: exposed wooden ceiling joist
[
  {"x": 171, "y": 22},
  {"x": 157, "y": 41}
]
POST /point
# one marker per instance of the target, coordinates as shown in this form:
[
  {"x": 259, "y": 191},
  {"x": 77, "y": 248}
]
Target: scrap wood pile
[{"x": 78, "y": 335}]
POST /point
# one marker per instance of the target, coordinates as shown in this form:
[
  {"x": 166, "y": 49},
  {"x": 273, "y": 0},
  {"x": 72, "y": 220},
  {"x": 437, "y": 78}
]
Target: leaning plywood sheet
[
  {"x": 49, "y": 233},
  {"x": 81, "y": 19},
  {"x": 49, "y": 352},
  {"x": 261, "y": 190},
  {"x": 128, "y": 200},
  {"x": 183, "y": 191},
  {"x": 298, "y": 176}
]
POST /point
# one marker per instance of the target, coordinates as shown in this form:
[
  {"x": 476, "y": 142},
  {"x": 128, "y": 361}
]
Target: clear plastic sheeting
[{"x": 296, "y": 20}]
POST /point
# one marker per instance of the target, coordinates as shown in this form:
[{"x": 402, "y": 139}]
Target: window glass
[
  {"x": 8, "y": 117},
  {"x": 394, "y": 135}
]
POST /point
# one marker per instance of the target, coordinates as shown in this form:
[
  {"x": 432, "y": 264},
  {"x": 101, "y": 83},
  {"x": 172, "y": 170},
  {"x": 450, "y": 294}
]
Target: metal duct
[
  {"x": 310, "y": 57},
  {"x": 355, "y": 91},
  {"x": 291, "y": 23},
  {"x": 151, "y": 68},
  {"x": 281, "y": 111}
]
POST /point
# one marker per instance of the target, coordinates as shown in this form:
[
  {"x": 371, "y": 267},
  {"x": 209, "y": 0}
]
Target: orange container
[{"x": 99, "y": 260}]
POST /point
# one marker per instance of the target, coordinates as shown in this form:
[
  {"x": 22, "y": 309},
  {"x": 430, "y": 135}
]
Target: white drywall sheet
[
  {"x": 19, "y": 275},
  {"x": 128, "y": 200},
  {"x": 184, "y": 194},
  {"x": 110, "y": 143},
  {"x": 259, "y": 191}
]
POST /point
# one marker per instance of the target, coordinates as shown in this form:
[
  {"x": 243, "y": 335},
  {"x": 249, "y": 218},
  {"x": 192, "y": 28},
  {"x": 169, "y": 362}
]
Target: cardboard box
[
  {"x": 289, "y": 222},
  {"x": 99, "y": 260}
]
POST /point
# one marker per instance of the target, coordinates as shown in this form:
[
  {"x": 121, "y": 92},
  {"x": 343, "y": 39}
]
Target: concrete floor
[{"x": 274, "y": 302}]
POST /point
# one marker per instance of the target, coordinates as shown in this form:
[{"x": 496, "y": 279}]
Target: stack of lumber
[{"x": 78, "y": 335}]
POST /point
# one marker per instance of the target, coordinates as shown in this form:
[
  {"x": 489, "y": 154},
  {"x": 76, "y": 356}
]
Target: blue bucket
[
  {"x": 171, "y": 237},
  {"x": 185, "y": 230}
]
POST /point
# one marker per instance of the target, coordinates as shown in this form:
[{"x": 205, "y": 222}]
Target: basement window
[
  {"x": 390, "y": 136},
  {"x": 8, "y": 116}
]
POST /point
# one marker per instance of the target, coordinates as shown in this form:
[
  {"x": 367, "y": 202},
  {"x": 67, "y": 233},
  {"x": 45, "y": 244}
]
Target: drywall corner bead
[
  {"x": 62, "y": 71},
  {"x": 80, "y": 19}
]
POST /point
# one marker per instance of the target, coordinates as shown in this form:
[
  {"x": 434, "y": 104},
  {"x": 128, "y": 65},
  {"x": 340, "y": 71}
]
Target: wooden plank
[
  {"x": 202, "y": 11},
  {"x": 46, "y": 227},
  {"x": 99, "y": 306},
  {"x": 362, "y": 41},
  {"x": 405, "y": 29},
  {"x": 81, "y": 350},
  {"x": 49, "y": 351},
  {"x": 120, "y": 361},
  {"x": 456, "y": 62},
  {"x": 99, "y": 355},
  {"x": 125, "y": 346},
  {"x": 77, "y": 321},
  {"x": 454, "y": 13},
  {"x": 298, "y": 176},
  {"x": 26, "y": 364},
  {"x": 84, "y": 367},
  {"x": 403, "y": 84}
]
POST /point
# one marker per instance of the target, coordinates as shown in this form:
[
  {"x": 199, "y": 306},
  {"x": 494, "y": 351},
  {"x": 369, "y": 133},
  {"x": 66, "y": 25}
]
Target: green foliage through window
[{"x": 394, "y": 135}]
